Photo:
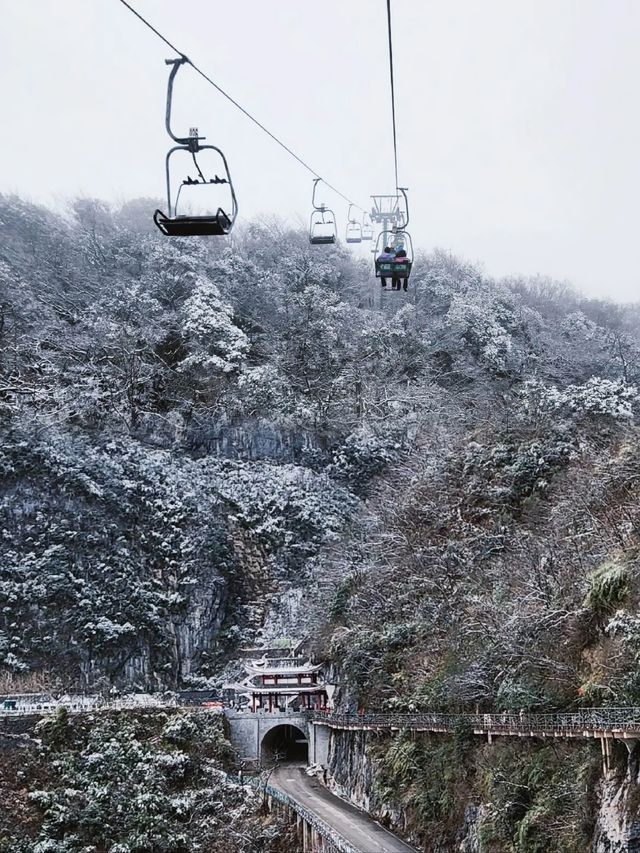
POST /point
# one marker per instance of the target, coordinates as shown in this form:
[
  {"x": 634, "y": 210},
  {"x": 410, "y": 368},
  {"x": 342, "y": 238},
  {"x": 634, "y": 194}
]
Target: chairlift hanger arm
[
  {"x": 192, "y": 142},
  {"x": 313, "y": 197},
  {"x": 403, "y": 190}
]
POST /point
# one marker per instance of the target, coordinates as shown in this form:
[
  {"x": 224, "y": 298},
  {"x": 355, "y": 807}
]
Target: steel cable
[
  {"x": 239, "y": 106},
  {"x": 393, "y": 95}
]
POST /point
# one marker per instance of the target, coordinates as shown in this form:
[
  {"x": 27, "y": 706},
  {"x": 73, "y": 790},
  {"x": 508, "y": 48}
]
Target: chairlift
[
  {"x": 354, "y": 228},
  {"x": 396, "y": 238},
  {"x": 181, "y": 220},
  {"x": 322, "y": 225},
  {"x": 367, "y": 227},
  {"x": 394, "y": 268}
]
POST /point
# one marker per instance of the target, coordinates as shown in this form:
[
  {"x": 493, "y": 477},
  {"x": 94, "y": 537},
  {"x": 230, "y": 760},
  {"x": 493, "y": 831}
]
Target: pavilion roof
[{"x": 272, "y": 668}]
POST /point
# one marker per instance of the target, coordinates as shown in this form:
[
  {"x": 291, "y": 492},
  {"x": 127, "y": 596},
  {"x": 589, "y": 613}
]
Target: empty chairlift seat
[
  {"x": 322, "y": 225},
  {"x": 354, "y": 228},
  {"x": 322, "y": 229},
  {"x": 194, "y": 226},
  {"x": 204, "y": 206},
  {"x": 367, "y": 228}
]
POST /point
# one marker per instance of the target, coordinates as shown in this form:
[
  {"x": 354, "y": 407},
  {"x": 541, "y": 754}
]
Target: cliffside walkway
[
  {"x": 615, "y": 722},
  {"x": 618, "y": 723},
  {"x": 333, "y": 824}
]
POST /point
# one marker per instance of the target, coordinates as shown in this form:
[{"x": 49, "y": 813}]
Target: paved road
[{"x": 355, "y": 826}]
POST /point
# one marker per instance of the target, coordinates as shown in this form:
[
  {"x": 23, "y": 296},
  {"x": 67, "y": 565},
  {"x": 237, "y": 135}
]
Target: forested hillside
[
  {"x": 129, "y": 783},
  {"x": 207, "y": 442},
  {"x": 194, "y": 432}
]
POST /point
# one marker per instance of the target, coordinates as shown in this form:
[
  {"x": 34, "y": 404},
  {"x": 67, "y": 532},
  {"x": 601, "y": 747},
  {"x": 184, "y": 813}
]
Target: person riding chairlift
[
  {"x": 400, "y": 257},
  {"x": 387, "y": 255}
]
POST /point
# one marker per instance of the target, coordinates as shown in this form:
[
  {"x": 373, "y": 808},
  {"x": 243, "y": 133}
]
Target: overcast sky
[{"x": 519, "y": 128}]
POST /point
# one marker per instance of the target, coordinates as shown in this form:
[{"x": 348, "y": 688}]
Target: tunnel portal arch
[{"x": 285, "y": 742}]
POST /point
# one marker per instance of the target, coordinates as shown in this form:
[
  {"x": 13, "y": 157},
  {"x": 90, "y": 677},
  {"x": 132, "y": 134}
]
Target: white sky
[{"x": 519, "y": 127}]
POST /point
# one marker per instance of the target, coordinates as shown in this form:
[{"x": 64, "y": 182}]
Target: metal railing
[
  {"x": 88, "y": 706},
  {"x": 586, "y": 721}
]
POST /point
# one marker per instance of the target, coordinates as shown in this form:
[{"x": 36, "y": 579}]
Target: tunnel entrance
[{"x": 285, "y": 743}]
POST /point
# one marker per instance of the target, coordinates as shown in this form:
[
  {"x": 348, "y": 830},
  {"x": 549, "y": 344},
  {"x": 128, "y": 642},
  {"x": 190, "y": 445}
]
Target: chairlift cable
[
  {"x": 235, "y": 103},
  {"x": 393, "y": 94}
]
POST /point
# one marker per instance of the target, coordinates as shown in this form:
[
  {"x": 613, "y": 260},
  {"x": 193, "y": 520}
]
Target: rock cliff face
[
  {"x": 190, "y": 637},
  {"x": 145, "y": 566},
  {"x": 353, "y": 771},
  {"x": 618, "y": 821},
  {"x": 470, "y": 840},
  {"x": 247, "y": 439},
  {"x": 256, "y": 440}
]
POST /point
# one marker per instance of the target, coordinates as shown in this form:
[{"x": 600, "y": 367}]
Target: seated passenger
[
  {"x": 400, "y": 258},
  {"x": 387, "y": 255}
]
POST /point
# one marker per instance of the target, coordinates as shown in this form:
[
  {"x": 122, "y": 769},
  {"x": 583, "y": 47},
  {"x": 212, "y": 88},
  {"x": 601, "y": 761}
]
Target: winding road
[{"x": 355, "y": 826}]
